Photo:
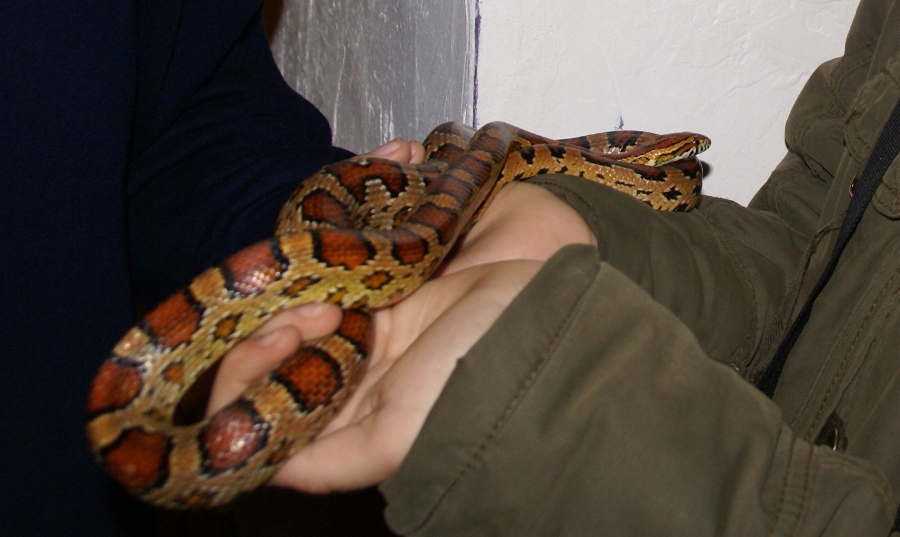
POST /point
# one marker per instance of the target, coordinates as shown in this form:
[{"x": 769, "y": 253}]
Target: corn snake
[{"x": 361, "y": 233}]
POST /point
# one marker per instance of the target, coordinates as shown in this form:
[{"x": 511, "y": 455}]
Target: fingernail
[
  {"x": 311, "y": 310},
  {"x": 268, "y": 339},
  {"x": 388, "y": 149}
]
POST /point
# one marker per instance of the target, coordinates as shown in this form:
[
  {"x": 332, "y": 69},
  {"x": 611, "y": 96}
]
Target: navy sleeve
[{"x": 214, "y": 179}]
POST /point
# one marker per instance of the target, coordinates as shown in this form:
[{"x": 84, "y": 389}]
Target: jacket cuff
[
  {"x": 500, "y": 368},
  {"x": 588, "y": 407}
]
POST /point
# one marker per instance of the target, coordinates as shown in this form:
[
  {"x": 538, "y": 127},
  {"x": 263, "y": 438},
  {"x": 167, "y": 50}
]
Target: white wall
[{"x": 727, "y": 68}]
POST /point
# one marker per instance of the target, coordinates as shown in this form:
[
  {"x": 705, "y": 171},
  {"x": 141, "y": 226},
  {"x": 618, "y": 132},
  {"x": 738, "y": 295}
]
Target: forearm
[
  {"x": 721, "y": 269},
  {"x": 590, "y": 409}
]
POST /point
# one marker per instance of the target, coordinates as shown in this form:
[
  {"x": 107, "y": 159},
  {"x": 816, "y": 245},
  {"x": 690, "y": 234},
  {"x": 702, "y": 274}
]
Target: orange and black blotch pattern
[
  {"x": 620, "y": 140},
  {"x": 457, "y": 189},
  {"x": 231, "y": 437},
  {"x": 356, "y": 329},
  {"x": 312, "y": 375},
  {"x": 254, "y": 268},
  {"x": 138, "y": 459},
  {"x": 392, "y": 176},
  {"x": 441, "y": 220},
  {"x": 361, "y": 233},
  {"x": 174, "y": 321},
  {"x": 342, "y": 248},
  {"x": 322, "y": 207},
  {"x": 354, "y": 174},
  {"x": 407, "y": 248},
  {"x": 116, "y": 385}
]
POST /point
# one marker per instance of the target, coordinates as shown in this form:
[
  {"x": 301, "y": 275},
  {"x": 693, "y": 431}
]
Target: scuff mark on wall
[
  {"x": 476, "y": 47},
  {"x": 385, "y": 68}
]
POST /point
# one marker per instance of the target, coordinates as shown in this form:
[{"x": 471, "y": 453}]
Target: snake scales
[{"x": 361, "y": 233}]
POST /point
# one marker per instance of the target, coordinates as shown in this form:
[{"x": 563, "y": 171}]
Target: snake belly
[{"x": 362, "y": 233}]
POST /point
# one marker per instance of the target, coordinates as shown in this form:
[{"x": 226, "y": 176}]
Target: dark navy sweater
[{"x": 139, "y": 143}]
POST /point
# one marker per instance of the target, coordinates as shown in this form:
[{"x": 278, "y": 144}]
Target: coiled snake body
[{"x": 361, "y": 233}]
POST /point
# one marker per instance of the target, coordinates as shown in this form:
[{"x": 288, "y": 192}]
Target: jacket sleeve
[
  {"x": 730, "y": 272},
  {"x": 593, "y": 407},
  {"x": 567, "y": 429},
  {"x": 213, "y": 178}
]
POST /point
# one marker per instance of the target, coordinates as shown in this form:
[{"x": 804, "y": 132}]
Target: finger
[
  {"x": 372, "y": 444},
  {"x": 311, "y": 320},
  {"x": 249, "y": 361},
  {"x": 269, "y": 346},
  {"x": 417, "y": 153},
  {"x": 352, "y": 452},
  {"x": 398, "y": 150},
  {"x": 397, "y": 328}
]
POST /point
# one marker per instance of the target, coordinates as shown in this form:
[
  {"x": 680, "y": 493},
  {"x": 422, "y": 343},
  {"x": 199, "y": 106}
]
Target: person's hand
[
  {"x": 368, "y": 439},
  {"x": 402, "y": 151},
  {"x": 417, "y": 341}
]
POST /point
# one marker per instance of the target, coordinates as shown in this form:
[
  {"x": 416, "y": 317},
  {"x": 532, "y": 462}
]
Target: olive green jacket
[{"x": 615, "y": 395}]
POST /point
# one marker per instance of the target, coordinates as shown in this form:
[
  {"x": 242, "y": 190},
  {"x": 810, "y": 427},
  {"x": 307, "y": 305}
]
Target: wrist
[{"x": 524, "y": 222}]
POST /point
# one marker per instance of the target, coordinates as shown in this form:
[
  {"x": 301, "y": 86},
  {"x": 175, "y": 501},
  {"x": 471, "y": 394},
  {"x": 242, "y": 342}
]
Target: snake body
[{"x": 361, "y": 233}]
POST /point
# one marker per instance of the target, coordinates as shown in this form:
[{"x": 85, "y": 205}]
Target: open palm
[{"x": 417, "y": 341}]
